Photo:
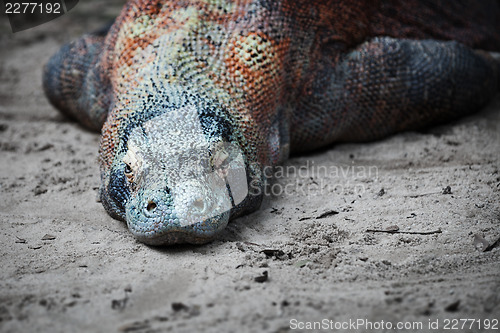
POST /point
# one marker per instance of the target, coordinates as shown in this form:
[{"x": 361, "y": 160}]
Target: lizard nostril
[
  {"x": 151, "y": 206},
  {"x": 199, "y": 204}
]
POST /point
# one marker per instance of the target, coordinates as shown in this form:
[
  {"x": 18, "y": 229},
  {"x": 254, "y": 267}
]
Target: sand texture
[{"x": 307, "y": 255}]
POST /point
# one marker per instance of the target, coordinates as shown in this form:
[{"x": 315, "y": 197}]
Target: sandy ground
[{"x": 66, "y": 266}]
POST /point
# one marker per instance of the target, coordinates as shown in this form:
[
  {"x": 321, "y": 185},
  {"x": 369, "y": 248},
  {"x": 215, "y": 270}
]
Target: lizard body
[{"x": 196, "y": 98}]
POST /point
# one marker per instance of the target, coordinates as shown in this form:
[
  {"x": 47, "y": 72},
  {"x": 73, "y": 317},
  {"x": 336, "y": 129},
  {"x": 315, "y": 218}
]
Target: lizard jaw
[
  {"x": 197, "y": 233},
  {"x": 191, "y": 213}
]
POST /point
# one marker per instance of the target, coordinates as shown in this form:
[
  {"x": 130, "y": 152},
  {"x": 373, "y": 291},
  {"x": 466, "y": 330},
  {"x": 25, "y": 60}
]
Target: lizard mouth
[
  {"x": 187, "y": 215},
  {"x": 169, "y": 234},
  {"x": 168, "y": 230}
]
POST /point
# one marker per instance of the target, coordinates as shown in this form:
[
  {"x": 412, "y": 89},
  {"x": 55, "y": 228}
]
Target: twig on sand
[{"x": 392, "y": 231}]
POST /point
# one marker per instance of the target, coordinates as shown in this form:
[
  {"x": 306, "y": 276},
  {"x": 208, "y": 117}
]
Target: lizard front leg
[
  {"x": 75, "y": 82},
  {"x": 390, "y": 85}
]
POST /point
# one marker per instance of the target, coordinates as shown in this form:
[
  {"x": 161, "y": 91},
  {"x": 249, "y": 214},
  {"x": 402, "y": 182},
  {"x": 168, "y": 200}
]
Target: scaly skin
[{"x": 196, "y": 98}]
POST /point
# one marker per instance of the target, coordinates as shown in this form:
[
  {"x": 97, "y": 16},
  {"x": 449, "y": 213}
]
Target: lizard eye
[
  {"x": 128, "y": 169},
  {"x": 219, "y": 158},
  {"x": 128, "y": 173},
  {"x": 132, "y": 164}
]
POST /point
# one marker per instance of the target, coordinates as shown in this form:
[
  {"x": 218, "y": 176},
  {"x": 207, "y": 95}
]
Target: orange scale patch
[
  {"x": 144, "y": 31},
  {"x": 255, "y": 60}
]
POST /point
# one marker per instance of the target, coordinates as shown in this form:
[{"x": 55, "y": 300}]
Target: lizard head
[{"x": 180, "y": 176}]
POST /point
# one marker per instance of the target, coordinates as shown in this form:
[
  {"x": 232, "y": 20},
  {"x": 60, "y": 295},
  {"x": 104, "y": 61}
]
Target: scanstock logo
[{"x": 24, "y": 14}]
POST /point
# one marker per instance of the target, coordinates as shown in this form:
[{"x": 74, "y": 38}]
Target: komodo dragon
[{"x": 196, "y": 98}]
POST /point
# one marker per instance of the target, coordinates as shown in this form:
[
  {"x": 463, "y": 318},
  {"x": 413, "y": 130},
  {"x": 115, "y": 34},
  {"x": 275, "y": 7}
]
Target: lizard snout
[{"x": 188, "y": 213}]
